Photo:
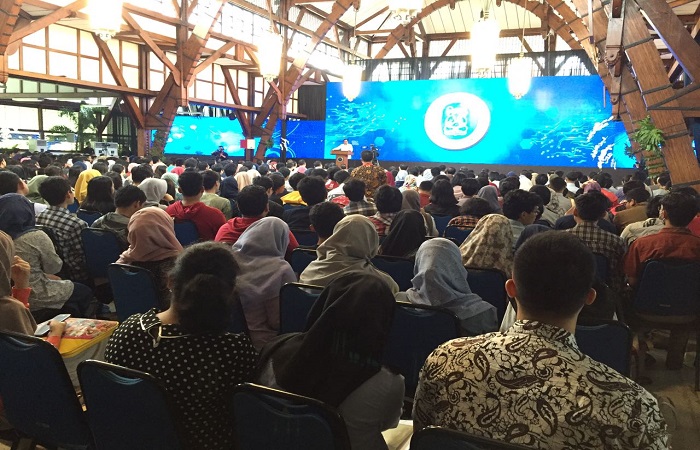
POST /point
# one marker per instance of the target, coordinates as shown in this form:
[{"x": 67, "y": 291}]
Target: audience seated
[
  {"x": 441, "y": 280},
  {"x": 521, "y": 208},
  {"x": 81, "y": 184},
  {"x": 442, "y": 200},
  {"x": 374, "y": 176},
  {"x": 324, "y": 217},
  {"x": 156, "y": 191},
  {"x": 153, "y": 246},
  {"x": 490, "y": 245},
  {"x": 274, "y": 208},
  {"x": 127, "y": 200},
  {"x": 65, "y": 226},
  {"x": 263, "y": 271},
  {"x": 208, "y": 220},
  {"x": 473, "y": 209},
  {"x": 468, "y": 188},
  {"x": 490, "y": 194},
  {"x": 187, "y": 346},
  {"x": 354, "y": 190},
  {"x": 140, "y": 173},
  {"x": 411, "y": 200},
  {"x": 559, "y": 203},
  {"x": 212, "y": 181},
  {"x": 352, "y": 245},
  {"x": 338, "y": 358},
  {"x": 294, "y": 197},
  {"x": 533, "y": 378},
  {"x": 389, "y": 201},
  {"x": 424, "y": 190},
  {"x": 100, "y": 196},
  {"x": 652, "y": 225},
  {"x": 313, "y": 191},
  {"x": 406, "y": 235},
  {"x": 11, "y": 183},
  {"x": 635, "y": 210}
]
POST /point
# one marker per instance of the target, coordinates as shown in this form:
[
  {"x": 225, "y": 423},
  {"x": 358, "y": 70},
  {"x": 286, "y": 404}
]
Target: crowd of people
[{"x": 527, "y": 383}]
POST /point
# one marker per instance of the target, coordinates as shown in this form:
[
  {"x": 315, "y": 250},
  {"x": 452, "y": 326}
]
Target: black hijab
[
  {"x": 343, "y": 344},
  {"x": 406, "y": 234}
]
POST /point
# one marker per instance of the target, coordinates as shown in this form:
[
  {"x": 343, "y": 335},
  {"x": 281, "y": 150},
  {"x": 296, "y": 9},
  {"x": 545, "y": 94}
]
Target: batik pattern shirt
[
  {"x": 532, "y": 386},
  {"x": 373, "y": 176}
]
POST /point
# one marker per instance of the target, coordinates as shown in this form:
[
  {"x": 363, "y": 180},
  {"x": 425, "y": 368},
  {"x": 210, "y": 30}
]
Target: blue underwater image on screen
[
  {"x": 192, "y": 135},
  {"x": 562, "y": 121},
  {"x": 305, "y": 139}
]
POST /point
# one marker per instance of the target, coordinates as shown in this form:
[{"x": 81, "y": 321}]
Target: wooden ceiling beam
[
  {"x": 9, "y": 14},
  {"x": 49, "y": 19},
  {"x": 160, "y": 54},
  {"x": 674, "y": 70}
]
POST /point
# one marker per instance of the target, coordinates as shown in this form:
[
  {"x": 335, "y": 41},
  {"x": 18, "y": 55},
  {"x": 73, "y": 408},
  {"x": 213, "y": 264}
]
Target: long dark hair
[
  {"x": 442, "y": 194},
  {"x": 100, "y": 195}
]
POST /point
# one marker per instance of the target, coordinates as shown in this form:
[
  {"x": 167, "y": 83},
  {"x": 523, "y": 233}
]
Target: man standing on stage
[
  {"x": 345, "y": 147},
  {"x": 373, "y": 175}
]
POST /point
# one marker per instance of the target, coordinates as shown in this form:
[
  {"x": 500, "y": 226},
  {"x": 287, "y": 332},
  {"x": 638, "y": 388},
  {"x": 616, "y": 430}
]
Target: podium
[{"x": 341, "y": 157}]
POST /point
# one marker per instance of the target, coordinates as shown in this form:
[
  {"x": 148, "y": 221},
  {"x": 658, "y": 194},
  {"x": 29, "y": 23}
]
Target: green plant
[{"x": 649, "y": 138}]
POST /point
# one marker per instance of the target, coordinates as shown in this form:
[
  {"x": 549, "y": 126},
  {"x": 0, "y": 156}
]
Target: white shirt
[{"x": 345, "y": 148}]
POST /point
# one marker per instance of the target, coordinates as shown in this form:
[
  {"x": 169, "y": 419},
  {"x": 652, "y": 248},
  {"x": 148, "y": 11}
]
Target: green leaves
[{"x": 649, "y": 138}]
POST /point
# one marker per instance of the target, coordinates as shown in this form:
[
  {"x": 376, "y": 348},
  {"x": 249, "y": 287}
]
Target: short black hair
[
  {"x": 541, "y": 256},
  {"x": 324, "y": 216},
  {"x": 190, "y": 163},
  {"x": 632, "y": 185},
  {"x": 366, "y": 156},
  {"x": 354, "y": 189},
  {"x": 209, "y": 179},
  {"x": 202, "y": 166},
  {"x": 295, "y": 179},
  {"x": 442, "y": 194},
  {"x": 470, "y": 186},
  {"x": 263, "y": 181},
  {"x": 119, "y": 168},
  {"x": 312, "y": 190},
  {"x": 54, "y": 171},
  {"x": 680, "y": 208},
  {"x": 557, "y": 183},
  {"x": 543, "y": 191},
  {"x": 100, "y": 166},
  {"x": 141, "y": 172},
  {"x": 654, "y": 205},
  {"x": 127, "y": 195},
  {"x": 591, "y": 206},
  {"x": 252, "y": 200},
  {"x": 277, "y": 181},
  {"x": 230, "y": 169},
  {"x": 508, "y": 184},
  {"x": 9, "y": 182},
  {"x": 191, "y": 183},
  {"x": 341, "y": 176},
  {"x": 54, "y": 190},
  {"x": 475, "y": 206},
  {"x": 388, "y": 199},
  {"x": 426, "y": 186},
  {"x": 639, "y": 195},
  {"x": 435, "y": 171},
  {"x": 541, "y": 179},
  {"x": 518, "y": 201},
  {"x": 283, "y": 171}
]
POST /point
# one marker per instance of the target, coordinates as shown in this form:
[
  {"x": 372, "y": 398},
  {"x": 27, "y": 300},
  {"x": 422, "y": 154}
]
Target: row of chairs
[{"x": 126, "y": 408}]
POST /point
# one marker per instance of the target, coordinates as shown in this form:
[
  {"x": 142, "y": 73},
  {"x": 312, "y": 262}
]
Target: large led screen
[
  {"x": 562, "y": 121},
  {"x": 193, "y": 135}
]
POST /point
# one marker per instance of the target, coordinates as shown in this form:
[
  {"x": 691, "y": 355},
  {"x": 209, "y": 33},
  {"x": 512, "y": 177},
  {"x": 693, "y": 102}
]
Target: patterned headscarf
[{"x": 490, "y": 245}]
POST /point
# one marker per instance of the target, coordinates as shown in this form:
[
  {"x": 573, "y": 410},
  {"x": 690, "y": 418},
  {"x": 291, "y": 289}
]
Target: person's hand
[
  {"x": 20, "y": 273},
  {"x": 56, "y": 328},
  {"x": 168, "y": 198}
]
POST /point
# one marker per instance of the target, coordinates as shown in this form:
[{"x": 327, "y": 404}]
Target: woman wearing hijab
[
  {"x": 33, "y": 186},
  {"x": 81, "y": 184},
  {"x": 337, "y": 359},
  {"x": 153, "y": 246},
  {"x": 490, "y": 194},
  {"x": 441, "y": 280},
  {"x": 260, "y": 253},
  {"x": 407, "y": 233},
  {"x": 36, "y": 248},
  {"x": 411, "y": 200},
  {"x": 173, "y": 185},
  {"x": 100, "y": 196},
  {"x": 243, "y": 179},
  {"x": 351, "y": 247},
  {"x": 155, "y": 190},
  {"x": 14, "y": 301},
  {"x": 490, "y": 245},
  {"x": 410, "y": 184}
]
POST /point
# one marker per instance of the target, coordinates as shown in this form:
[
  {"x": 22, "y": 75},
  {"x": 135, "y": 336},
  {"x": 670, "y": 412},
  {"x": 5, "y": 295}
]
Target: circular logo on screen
[{"x": 457, "y": 121}]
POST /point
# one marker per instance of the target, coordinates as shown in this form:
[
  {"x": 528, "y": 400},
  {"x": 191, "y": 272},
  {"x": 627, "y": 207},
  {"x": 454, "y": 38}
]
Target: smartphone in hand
[{"x": 43, "y": 327}]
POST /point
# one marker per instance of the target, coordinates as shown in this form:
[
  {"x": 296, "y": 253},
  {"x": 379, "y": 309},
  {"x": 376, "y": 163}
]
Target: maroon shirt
[{"x": 208, "y": 220}]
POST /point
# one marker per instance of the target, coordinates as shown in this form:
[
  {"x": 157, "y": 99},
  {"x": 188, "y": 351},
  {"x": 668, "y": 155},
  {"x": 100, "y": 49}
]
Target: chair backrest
[
  {"x": 101, "y": 248},
  {"x": 416, "y": 331},
  {"x": 238, "y": 323},
  {"x": 301, "y": 258},
  {"x": 289, "y": 206},
  {"x": 601, "y": 267},
  {"x": 490, "y": 285},
  {"x": 669, "y": 288},
  {"x": 307, "y": 238},
  {"x": 457, "y": 233},
  {"x": 54, "y": 239},
  {"x": 38, "y": 395},
  {"x": 441, "y": 223},
  {"x": 400, "y": 269},
  {"x": 127, "y": 408},
  {"x": 186, "y": 232},
  {"x": 296, "y": 300},
  {"x": 435, "y": 438},
  {"x": 88, "y": 216},
  {"x": 74, "y": 207},
  {"x": 607, "y": 341},
  {"x": 133, "y": 288},
  {"x": 269, "y": 418}
]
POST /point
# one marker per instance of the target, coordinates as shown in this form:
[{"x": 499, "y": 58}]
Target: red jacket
[{"x": 208, "y": 220}]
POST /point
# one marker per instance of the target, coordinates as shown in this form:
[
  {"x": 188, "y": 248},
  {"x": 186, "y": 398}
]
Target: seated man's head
[
  {"x": 543, "y": 192},
  {"x": 252, "y": 201},
  {"x": 508, "y": 184},
  {"x": 636, "y": 196},
  {"x": 264, "y": 182},
  {"x": 554, "y": 300},
  {"x": 56, "y": 191},
  {"x": 277, "y": 183},
  {"x": 140, "y": 173},
  {"x": 11, "y": 183},
  {"x": 324, "y": 216},
  {"x": 354, "y": 189},
  {"x": 522, "y": 206},
  {"x": 425, "y": 187},
  {"x": 295, "y": 179},
  {"x": 678, "y": 209},
  {"x": 475, "y": 206},
  {"x": 128, "y": 200},
  {"x": 388, "y": 199},
  {"x": 470, "y": 187},
  {"x": 590, "y": 206},
  {"x": 557, "y": 184},
  {"x": 211, "y": 181},
  {"x": 312, "y": 190},
  {"x": 191, "y": 184}
]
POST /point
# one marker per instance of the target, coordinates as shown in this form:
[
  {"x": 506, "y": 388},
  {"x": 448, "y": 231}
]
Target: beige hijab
[
  {"x": 13, "y": 314},
  {"x": 151, "y": 237},
  {"x": 490, "y": 245},
  {"x": 351, "y": 247}
]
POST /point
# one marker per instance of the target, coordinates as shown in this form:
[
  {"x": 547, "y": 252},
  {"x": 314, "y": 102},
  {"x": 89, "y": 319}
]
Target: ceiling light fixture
[
  {"x": 484, "y": 44},
  {"x": 404, "y": 11},
  {"x": 105, "y": 17}
]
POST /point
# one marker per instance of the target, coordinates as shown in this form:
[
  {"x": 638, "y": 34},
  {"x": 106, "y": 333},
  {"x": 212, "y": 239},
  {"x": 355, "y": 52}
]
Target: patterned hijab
[
  {"x": 343, "y": 343},
  {"x": 490, "y": 245},
  {"x": 441, "y": 280},
  {"x": 351, "y": 247},
  {"x": 151, "y": 237},
  {"x": 81, "y": 184},
  {"x": 16, "y": 215},
  {"x": 490, "y": 194},
  {"x": 411, "y": 182}
]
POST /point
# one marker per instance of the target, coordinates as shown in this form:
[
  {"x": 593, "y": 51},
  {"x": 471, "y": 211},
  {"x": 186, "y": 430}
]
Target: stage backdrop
[
  {"x": 193, "y": 135},
  {"x": 562, "y": 121}
]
